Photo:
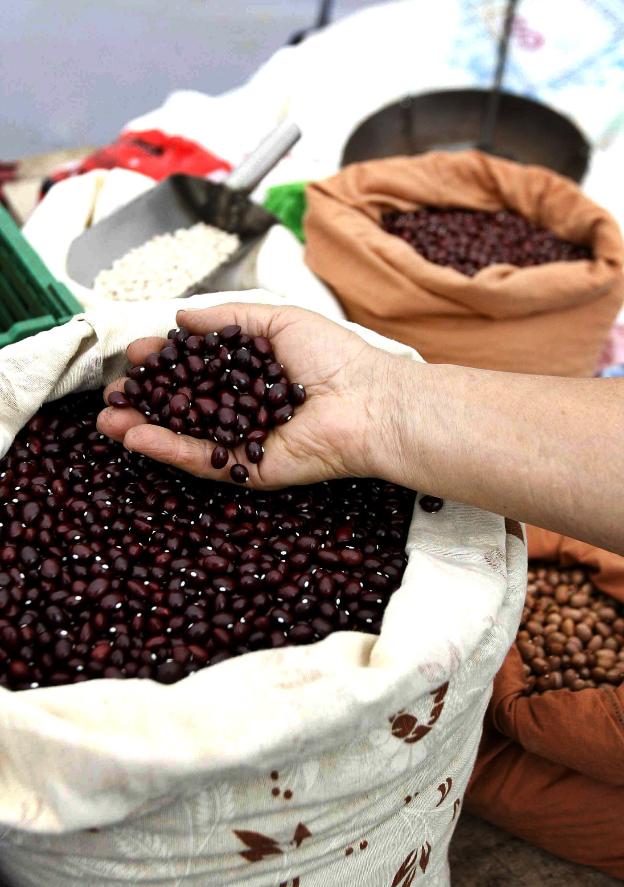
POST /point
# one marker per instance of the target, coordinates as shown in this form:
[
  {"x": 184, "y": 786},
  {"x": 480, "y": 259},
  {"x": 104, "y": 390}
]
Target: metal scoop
[{"x": 181, "y": 201}]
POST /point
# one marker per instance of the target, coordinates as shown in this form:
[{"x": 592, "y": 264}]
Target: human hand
[{"x": 335, "y": 433}]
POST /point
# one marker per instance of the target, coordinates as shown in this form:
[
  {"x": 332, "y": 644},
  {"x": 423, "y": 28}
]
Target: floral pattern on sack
[
  {"x": 260, "y": 846},
  {"x": 415, "y": 859},
  {"x": 405, "y": 726},
  {"x": 444, "y": 788}
]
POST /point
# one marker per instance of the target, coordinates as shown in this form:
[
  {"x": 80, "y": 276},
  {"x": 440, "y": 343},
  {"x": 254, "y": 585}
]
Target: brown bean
[
  {"x": 539, "y": 665},
  {"x": 579, "y": 599},
  {"x": 574, "y": 645},
  {"x": 568, "y": 627},
  {"x": 584, "y": 632},
  {"x": 604, "y": 629},
  {"x": 569, "y": 677},
  {"x": 527, "y": 650},
  {"x": 562, "y": 594},
  {"x": 595, "y": 643},
  {"x": 573, "y": 613}
]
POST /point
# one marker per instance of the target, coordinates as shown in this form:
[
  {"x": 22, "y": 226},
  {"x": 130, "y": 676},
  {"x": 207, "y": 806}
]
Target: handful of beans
[
  {"x": 469, "y": 240},
  {"x": 225, "y": 386},
  {"x": 571, "y": 635}
]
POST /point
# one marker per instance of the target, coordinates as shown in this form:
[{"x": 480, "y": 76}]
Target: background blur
[{"x": 72, "y": 72}]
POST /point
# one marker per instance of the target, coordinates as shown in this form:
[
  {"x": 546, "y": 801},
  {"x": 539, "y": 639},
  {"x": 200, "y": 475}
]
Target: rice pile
[{"x": 168, "y": 265}]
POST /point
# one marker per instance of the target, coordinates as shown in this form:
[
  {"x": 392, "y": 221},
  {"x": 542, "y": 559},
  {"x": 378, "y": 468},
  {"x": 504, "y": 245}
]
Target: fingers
[
  {"x": 117, "y": 385},
  {"x": 255, "y": 320},
  {"x": 138, "y": 350},
  {"x": 187, "y": 453},
  {"x": 116, "y": 423}
]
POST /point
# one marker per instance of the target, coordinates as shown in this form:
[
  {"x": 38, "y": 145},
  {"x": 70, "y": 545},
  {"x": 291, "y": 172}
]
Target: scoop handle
[{"x": 261, "y": 161}]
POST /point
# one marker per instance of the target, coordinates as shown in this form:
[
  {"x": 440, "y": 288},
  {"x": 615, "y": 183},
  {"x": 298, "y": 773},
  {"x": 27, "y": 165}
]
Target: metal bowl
[{"x": 526, "y": 131}]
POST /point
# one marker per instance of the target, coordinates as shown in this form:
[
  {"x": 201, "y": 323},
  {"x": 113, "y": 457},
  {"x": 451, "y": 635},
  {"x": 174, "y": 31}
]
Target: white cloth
[{"x": 130, "y": 782}]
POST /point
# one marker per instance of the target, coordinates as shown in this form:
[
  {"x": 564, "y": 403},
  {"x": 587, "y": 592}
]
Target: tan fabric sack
[
  {"x": 547, "y": 319},
  {"x": 551, "y": 767}
]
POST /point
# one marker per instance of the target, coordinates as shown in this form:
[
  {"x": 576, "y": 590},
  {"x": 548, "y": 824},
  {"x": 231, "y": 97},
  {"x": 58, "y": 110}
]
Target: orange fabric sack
[
  {"x": 549, "y": 319},
  {"x": 551, "y": 767}
]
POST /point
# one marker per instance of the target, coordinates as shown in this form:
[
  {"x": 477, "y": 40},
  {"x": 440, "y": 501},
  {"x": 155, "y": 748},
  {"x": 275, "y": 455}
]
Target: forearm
[{"x": 545, "y": 450}]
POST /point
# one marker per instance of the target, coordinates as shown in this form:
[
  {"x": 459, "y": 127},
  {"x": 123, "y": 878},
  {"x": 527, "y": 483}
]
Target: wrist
[{"x": 396, "y": 419}]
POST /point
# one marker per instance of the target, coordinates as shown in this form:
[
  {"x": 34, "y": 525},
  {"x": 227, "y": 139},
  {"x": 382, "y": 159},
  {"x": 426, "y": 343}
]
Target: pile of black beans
[
  {"x": 115, "y": 566},
  {"x": 225, "y": 386},
  {"x": 469, "y": 240},
  {"x": 571, "y": 635}
]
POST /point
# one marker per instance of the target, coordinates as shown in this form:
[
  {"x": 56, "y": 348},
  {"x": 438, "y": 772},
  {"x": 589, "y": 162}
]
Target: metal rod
[
  {"x": 491, "y": 112},
  {"x": 325, "y": 13}
]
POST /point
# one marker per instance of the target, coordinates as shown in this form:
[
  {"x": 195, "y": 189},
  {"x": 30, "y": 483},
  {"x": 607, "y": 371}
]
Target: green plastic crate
[{"x": 31, "y": 300}]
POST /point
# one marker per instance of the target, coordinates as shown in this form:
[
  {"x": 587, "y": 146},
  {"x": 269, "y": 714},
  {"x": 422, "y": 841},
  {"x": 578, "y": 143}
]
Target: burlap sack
[
  {"x": 551, "y": 767},
  {"x": 547, "y": 319},
  {"x": 369, "y": 740}
]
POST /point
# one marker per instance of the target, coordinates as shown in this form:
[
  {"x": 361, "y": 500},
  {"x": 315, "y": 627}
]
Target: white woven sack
[{"x": 340, "y": 763}]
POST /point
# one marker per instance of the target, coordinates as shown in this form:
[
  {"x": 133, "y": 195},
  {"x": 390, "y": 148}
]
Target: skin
[{"x": 544, "y": 450}]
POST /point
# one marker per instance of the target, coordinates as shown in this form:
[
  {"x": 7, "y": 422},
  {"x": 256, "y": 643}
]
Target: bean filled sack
[
  {"x": 341, "y": 762},
  {"x": 551, "y": 765},
  {"x": 552, "y": 318}
]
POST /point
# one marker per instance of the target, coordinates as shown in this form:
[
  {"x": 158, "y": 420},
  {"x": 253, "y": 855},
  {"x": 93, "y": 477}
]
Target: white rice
[{"x": 167, "y": 265}]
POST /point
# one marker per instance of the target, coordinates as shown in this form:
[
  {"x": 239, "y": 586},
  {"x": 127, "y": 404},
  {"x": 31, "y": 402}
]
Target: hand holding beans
[
  {"x": 506, "y": 442},
  {"x": 335, "y": 373}
]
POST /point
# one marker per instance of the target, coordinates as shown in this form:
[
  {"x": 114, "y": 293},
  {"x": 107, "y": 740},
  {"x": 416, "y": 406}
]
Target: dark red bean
[
  {"x": 274, "y": 371},
  {"x": 179, "y": 405},
  {"x": 247, "y": 403},
  {"x": 254, "y": 451},
  {"x": 257, "y": 436},
  {"x": 262, "y": 347},
  {"x": 283, "y": 414},
  {"x": 207, "y": 406},
  {"x": 276, "y": 395},
  {"x": 170, "y": 671},
  {"x": 118, "y": 399},
  {"x": 133, "y": 390},
  {"x": 226, "y": 417},
  {"x": 219, "y": 457},
  {"x": 302, "y": 633},
  {"x": 431, "y": 504},
  {"x": 226, "y": 437},
  {"x": 230, "y": 334},
  {"x": 240, "y": 380},
  {"x": 212, "y": 341},
  {"x": 239, "y": 473},
  {"x": 297, "y": 394}
]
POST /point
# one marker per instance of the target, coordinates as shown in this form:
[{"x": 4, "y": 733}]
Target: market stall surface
[{"x": 484, "y": 856}]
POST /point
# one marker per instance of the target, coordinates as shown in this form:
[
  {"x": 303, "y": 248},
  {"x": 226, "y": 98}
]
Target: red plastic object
[{"x": 150, "y": 152}]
